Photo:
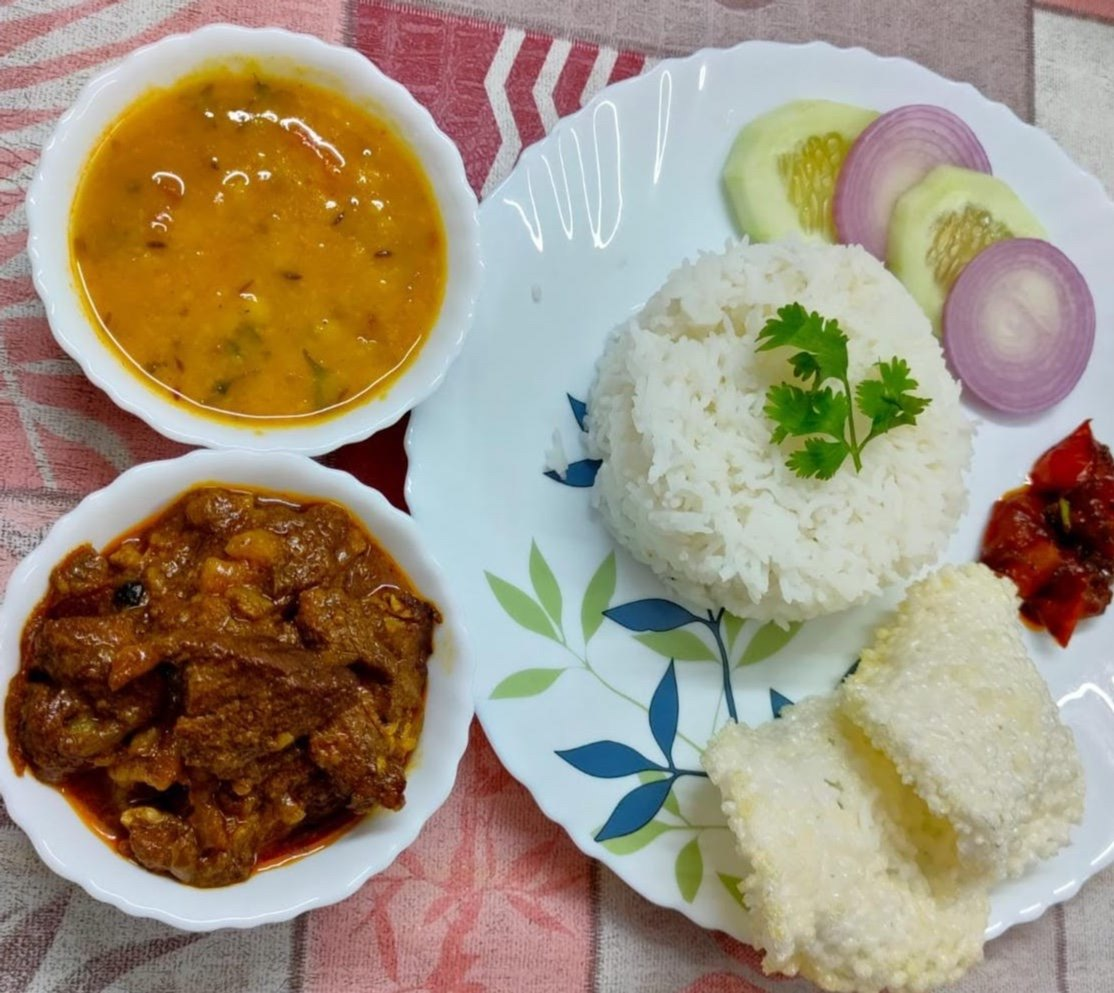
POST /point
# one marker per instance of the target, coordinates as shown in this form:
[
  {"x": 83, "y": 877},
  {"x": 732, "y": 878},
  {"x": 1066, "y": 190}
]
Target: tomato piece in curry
[{"x": 259, "y": 246}]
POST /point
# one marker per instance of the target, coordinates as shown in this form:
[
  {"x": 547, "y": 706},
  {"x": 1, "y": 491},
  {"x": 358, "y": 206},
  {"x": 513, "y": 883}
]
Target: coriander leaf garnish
[
  {"x": 798, "y": 412},
  {"x": 818, "y": 413},
  {"x": 888, "y": 401},
  {"x": 823, "y": 345},
  {"x": 805, "y": 365},
  {"x": 818, "y": 458}
]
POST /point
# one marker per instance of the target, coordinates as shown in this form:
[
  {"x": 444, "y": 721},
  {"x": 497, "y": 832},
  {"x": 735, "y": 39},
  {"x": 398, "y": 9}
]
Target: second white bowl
[{"x": 74, "y": 851}]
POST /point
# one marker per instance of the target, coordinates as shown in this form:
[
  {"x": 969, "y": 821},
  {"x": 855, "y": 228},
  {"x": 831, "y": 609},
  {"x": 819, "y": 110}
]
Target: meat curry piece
[{"x": 225, "y": 682}]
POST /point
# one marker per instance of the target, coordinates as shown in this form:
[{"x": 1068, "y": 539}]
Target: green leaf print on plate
[
  {"x": 525, "y": 682},
  {"x": 597, "y": 597},
  {"x": 732, "y": 625},
  {"x": 732, "y": 884},
  {"x": 632, "y": 842},
  {"x": 684, "y": 646},
  {"x": 689, "y": 870},
  {"x": 768, "y": 640},
  {"x": 521, "y": 607},
  {"x": 651, "y": 809},
  {"x": 545, "y": 584}
]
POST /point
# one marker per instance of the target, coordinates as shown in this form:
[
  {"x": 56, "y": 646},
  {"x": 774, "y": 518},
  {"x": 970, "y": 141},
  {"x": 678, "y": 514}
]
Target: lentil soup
[{"x": 259, "y": 246}]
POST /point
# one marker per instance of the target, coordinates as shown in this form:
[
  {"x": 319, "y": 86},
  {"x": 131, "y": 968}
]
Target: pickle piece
[
  {"x": 943, "y": 222},
  {"x": 780, "y": 175}
]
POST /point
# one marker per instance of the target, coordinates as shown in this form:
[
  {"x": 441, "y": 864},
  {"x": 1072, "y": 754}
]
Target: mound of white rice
[{"x": 691, "y": 483}]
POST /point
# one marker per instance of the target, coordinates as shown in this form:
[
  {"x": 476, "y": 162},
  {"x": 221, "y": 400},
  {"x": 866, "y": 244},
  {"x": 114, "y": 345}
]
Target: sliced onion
[
  {"x": 893, "y": 153},
  {"x": 1019, "y": 325}
]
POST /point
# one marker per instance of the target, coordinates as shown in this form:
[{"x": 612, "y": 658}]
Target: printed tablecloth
[{"x": 492, "y": 896}]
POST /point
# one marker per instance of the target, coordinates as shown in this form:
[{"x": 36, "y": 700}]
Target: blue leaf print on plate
[
  {"x": 580, "y": 474},
  {"x": 609, "y": 760},
  {"x": 664, "y": 709},
  {"x": 778, "y": 702},
  {"x": 579, "y": 411},
  {"x": 651, "y": 615},
  {"x": 636, "y": 809}
]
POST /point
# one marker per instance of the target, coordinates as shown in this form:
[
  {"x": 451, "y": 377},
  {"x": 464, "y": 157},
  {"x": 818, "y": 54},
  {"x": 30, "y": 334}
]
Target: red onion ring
[
  {"x": 1019, "y": 325},
  {"x": 894, "y": 152}
]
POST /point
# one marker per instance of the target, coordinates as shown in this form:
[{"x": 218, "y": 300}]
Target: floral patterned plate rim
[{"x": 595, "y": 688}]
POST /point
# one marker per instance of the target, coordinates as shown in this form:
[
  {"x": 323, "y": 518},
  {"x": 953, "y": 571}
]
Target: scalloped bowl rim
[
  {"x": 73, "y": 851},
  {"x": 108, "y": 94}
]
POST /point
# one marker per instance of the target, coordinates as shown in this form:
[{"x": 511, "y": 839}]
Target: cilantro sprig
[{"x": 821, "y": 415}]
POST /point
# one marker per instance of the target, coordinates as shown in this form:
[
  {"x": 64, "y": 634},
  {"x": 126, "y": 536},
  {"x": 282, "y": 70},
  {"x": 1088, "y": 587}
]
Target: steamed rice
[{"x": 691, "y": 483}]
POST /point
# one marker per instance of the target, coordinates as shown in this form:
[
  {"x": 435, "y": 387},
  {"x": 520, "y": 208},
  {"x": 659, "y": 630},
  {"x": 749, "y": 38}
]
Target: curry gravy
[
  {"x": 229, "y": 686},
  {"x": 259, "y": 246}
]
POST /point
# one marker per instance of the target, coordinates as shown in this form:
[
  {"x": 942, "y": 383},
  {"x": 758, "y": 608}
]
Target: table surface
[{"x": 492, "y": 896}]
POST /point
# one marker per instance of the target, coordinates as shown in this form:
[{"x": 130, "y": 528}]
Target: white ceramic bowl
[
  {"x": 161, "y": 64},
  {"x": 72, "y": 850}
]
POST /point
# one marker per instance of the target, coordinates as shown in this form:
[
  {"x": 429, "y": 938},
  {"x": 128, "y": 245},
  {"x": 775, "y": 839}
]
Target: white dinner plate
[{"x": 587, "y": 226}]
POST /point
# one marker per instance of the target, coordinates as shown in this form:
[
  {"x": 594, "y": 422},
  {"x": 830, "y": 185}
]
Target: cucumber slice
[
  {"x": 780, "y": 175},
  {"x": 943, "y": 222}
]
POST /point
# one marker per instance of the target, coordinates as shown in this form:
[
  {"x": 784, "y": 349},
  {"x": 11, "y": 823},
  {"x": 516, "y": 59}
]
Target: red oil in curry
[
  {"x": 90, "y": 795},
  {"x": 308, "y": 841}
]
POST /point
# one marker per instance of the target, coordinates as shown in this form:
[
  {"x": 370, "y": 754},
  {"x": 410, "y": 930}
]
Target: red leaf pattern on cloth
[
  {"x": 722, "y": 982},
  {"x": 440, "y": 916}
]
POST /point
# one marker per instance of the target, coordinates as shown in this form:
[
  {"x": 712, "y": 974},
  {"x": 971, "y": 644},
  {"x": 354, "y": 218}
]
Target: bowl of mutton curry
[
  {"x": 254, "y": 239},
  {"x": 236, "y": 687}
]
